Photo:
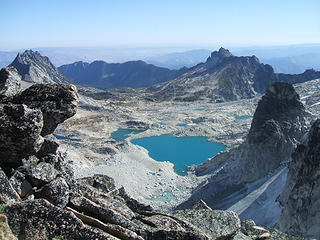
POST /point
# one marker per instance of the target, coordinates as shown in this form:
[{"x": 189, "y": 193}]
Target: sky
[{"x": 143, "y": 23}]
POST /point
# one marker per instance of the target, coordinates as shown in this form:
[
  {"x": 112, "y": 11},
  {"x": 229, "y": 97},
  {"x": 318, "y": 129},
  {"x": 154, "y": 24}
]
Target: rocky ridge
[
  {"x": 301, "y": 195},
  {"x": 103, "y": 75},
  {"x": 35, "y": 68},
  {"x": 225, "y": 77},
  {"x": 278, "y": 125},
  {"x": 42, "y": 200}
]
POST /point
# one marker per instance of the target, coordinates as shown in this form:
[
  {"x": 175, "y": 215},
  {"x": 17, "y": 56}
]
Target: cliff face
[
  {"x": 301, "y": 198},
  {"x": 277, "y": 126},
  {"x": 35, "y": 68}
]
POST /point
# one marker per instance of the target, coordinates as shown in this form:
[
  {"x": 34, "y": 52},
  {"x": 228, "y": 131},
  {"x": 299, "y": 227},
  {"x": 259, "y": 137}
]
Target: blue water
[
  {"x": 181, "y": 151},
  {"x": 60, "y": 137},
  {"x": 243, "y": 117},
  {"x": 122, "y": 134},
  {"x": 181, "y": 124}
]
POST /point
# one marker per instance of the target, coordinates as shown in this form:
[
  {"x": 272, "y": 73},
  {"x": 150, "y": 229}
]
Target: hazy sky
[{"x": 45, "y": 23}]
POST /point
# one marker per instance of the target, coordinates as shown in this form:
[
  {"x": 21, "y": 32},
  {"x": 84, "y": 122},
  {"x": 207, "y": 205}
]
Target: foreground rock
[
  {"x": 57, "y": 103},
  {"x": 20, "y": 129},
  {"x": 277, "y": 126},
  {"x": 301, "y": 216}
]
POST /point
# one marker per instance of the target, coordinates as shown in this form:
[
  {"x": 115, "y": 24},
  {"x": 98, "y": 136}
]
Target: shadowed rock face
[
  {"x": 37, "y": 69},
  {"x": 20, "y": 129},
  {"x": 301, "y": 215},
  {"x": 57, "y": 103},
  {"x": 277, "y": 126}
]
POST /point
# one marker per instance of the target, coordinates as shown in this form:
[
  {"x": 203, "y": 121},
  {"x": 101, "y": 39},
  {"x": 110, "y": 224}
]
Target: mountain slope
[
  {"x": 100, "y": 74},
  {"x": 225, "y": 77},
  {"x": 37, "y": 69}
]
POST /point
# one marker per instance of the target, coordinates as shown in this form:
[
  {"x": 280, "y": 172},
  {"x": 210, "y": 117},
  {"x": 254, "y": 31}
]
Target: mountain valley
[{"x": 227, "y": 99}]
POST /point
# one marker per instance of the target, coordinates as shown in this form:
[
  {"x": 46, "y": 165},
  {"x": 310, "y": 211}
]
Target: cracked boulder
[
  {"x": 57, "y": 103},
  {"x": 20, "y": 129}
]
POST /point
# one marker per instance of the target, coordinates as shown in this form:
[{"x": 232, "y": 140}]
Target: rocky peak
[
  {"x": 277, "y": 126},
  {"x": 217, "y": 56},
  {"x": 279, "y": 106},
  {"x": 35, "y": 68}
]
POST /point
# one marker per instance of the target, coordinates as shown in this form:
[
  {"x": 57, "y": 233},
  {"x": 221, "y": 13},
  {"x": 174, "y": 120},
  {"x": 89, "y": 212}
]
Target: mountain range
[
  {"x": 222, "y": 77},
  {"x": 291, "y": 59},
  {"x": 100, "y": 74},
  {"x": 225, "y": 77}
]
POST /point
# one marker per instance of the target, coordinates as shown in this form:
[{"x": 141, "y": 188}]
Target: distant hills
[
  {"x": 284, "y": 59},
  {"x": 100, "y": 74},
  {"x": 180, "y": 59}
]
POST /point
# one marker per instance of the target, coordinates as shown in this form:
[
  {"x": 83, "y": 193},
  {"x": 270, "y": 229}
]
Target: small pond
[
  {"x": 181, "y": 124},
  {"x": 243, "y": 117},
  {"x": 121, "y": 134},
  {"x": 181, "y": 151}
]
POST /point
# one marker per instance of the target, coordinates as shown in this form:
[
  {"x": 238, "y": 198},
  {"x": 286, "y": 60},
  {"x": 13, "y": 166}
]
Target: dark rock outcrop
[
  {"x": 277, "y": 126},
  {"x": 10, "y": 82},
  {"x": 35, "y": 68},
  {"x": 20, "y": 129},
  {"x": 57, "y": 103},
  {"x": 301, "y": 215}
]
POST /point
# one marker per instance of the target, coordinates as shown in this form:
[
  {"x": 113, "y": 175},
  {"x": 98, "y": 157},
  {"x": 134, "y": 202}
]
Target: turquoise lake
[
  {"x": 122, "y": 134},
  {"x": 243, "y": 117},
  {"x": 181, "y": 151}
]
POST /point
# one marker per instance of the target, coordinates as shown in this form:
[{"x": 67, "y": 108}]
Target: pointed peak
[
  {"x": 224, "y": 52},
  {"x": 218, "y": 56}
]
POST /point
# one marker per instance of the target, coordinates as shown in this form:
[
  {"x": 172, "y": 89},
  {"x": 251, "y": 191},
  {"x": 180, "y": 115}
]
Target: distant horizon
[
  {"x": 183, "y": 47},
  {"x": 167, "y": 23}
]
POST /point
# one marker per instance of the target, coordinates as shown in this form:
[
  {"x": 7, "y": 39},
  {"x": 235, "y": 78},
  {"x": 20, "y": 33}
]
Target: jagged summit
[
  {"x": 217, "y": 56},
  {"x": 35, "y": 68},
  {"x": 223, "y": 77}
]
